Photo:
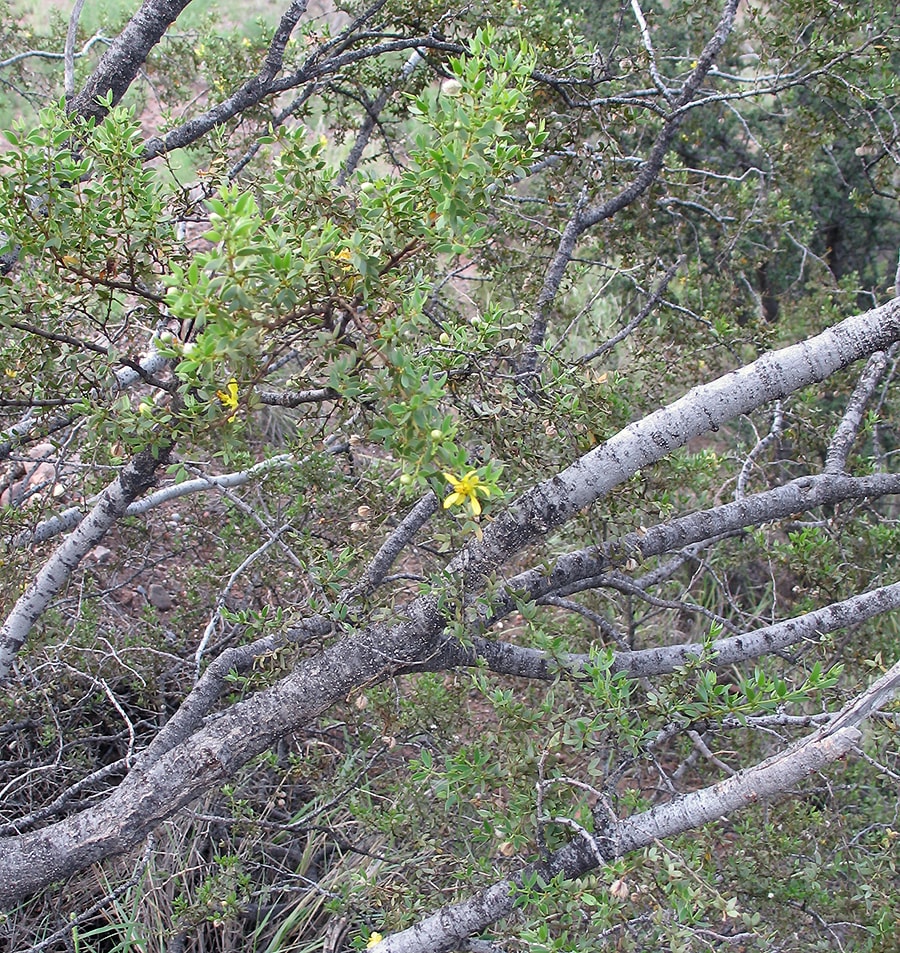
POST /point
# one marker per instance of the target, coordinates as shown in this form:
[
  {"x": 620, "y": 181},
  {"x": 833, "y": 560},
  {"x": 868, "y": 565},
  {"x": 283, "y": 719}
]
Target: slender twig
[
  {"x": 602, "y": 623},
  {"x": 71, "y": 32},
  {"x": 225, "y": 591},
  {"x": 393, "y": 546},
  {"x": 854, "y": 414},
  {"x": 373, "y": 113},
  {"x": 71, "y": 517},
  {"x": 772, "y": 437},
  {"x": 87, "y": 915},
  {"x": 585, "y": 219},
  {"x": 62, "y": 800},
  {"x": 133, "y": 480},
  {"x": 647, "y": 40},
  {"x": 315, "y": 70},
  {"x": 48, "y": 55},
  {"x": 652, "y": 302}
]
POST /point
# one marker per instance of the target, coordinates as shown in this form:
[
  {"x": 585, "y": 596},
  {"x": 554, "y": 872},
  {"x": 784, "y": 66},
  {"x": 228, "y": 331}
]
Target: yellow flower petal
[
  {"x": 230, "y": 398},
  {"x": 374, "y": 940},
  {"x": 466, "y": 490}
]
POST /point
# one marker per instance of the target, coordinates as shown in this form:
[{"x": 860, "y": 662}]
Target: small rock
[
  {"x": 130, "y": 598},
  {"x": 159, "y": 597}
]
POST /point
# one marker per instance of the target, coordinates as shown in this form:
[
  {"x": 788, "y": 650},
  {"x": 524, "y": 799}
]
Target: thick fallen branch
[{"x": 155, "y": 790}]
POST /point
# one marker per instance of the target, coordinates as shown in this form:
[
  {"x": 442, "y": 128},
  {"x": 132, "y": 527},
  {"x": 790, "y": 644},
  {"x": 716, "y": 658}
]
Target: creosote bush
[{"x": 447, "y": 486}]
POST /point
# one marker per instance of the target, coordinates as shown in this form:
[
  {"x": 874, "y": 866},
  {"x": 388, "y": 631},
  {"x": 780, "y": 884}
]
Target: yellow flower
[
  {"x": 374, "y": 940},
  {"x": 230, "y": 399},
  {"x": 466, "y": 488}
]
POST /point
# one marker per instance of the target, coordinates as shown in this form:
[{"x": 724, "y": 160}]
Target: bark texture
[{"x": 120, "y": 64}]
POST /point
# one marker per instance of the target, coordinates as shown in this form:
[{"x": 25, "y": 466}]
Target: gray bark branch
[
  {"x": 134, "y": 479},
  {"x": 508, "y": 659},
  {"x": 848, "y": 429},
  {"x": 704, "y": 408},
  {"x": 197, "y": 755},
  {"x": 444, "y": 930},
  {"x": 120, "y": 64}
]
